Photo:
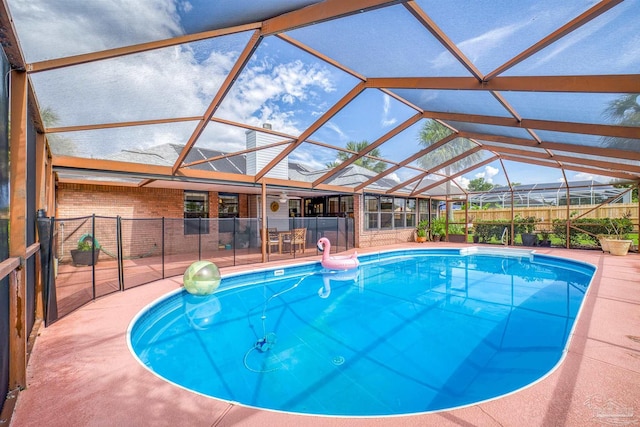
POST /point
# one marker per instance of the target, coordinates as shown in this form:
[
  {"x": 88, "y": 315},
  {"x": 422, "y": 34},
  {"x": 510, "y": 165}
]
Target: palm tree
[
  {"x": 432, "y": 132},
  {"x": 366, "y": 162},
  {"x": 624, "y": 111}
]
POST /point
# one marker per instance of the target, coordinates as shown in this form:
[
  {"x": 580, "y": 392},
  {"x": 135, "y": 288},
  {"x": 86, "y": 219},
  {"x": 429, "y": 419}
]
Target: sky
[{"x": 290, "y": 89}]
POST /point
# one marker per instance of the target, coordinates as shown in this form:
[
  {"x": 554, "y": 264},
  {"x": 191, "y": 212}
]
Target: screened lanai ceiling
[{"x": 411, "y": 98}]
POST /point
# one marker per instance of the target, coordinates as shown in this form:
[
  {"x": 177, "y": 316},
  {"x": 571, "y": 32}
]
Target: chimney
[{"x": 257, "y": 160}]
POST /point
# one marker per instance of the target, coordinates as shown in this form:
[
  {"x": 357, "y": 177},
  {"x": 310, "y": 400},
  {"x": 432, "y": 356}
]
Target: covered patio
[{"x": 383, "y": 113}]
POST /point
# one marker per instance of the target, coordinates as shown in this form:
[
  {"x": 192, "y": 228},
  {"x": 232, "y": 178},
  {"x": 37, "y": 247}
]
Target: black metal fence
[{"x": 95, "y": 256}]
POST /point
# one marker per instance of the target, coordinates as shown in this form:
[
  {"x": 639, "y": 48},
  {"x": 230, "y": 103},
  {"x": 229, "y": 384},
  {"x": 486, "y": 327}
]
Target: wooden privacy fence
[{"x": 546, "y": 214}]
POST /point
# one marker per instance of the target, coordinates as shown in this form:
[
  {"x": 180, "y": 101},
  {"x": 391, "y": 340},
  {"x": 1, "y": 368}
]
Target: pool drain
[{"x": 338, "y": 360}]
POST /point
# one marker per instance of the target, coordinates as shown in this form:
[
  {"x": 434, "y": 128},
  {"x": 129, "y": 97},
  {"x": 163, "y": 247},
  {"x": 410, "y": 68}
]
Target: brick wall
[
  {"x": 139, "y": 237},
  {"x": 74, "y": 200}
]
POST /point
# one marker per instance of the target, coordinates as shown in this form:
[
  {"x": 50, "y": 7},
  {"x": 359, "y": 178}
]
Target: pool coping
[{"x": 82, "y": 373}]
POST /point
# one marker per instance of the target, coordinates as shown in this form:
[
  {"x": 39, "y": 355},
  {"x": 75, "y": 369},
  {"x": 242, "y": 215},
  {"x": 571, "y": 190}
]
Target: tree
[
  {"x": 624, "y": 111},
  {"x": 59, "y": 145},
  {"x": 366, "y": 162},
  {"x": 479, "y": 185}
]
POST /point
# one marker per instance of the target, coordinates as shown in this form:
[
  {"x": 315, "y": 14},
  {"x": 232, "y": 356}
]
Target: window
[
  {"x": 387, "y": 212},
  {"x": 227, "y": 211},
  {"x": 410, "y": 215},
  {"x": 294, "y": 207},
  {"x": 346, "y": 206},
  {"x": 371, "y": 208},
  {"x": 423, "y": 206},
  {"x": 341, "y": 206},
  {"x": 196, "y": 207}
]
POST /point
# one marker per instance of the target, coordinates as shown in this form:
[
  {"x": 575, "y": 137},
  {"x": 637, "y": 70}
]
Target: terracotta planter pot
[
  {"x": 421, "y": 239},
  {"x": 619, "y": 247}
]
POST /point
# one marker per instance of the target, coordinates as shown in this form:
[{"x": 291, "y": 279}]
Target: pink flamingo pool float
[{"x": 345, "y": 262}]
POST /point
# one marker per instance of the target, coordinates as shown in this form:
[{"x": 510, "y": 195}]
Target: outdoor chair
[
  {"x": 297, "y": 239},
  {"x": 273, "y": 240}
]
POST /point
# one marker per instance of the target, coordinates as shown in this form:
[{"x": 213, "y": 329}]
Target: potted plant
[
  {"x": 526, "y": 227},
  {"x": 618, "y": 243},
  {"x": 545, "y": 237},
  {"x": 85, "y": 253},
  {"x": 482, "y": 232},
  {"x": 243, "y": 237},
  {"x": 456, "y": 233},
  {"x": 421, "y": 231},
  {"x": 437, "y": 228},
  {"x": 603, "y": 239}
]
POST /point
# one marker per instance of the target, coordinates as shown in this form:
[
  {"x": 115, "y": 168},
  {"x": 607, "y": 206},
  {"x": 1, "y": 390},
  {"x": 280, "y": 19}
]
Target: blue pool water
[{"x": 409, "y": 332}]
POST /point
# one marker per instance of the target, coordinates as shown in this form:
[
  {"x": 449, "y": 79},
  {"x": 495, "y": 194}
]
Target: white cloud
[
  {"x": 275, "y": 94},
  {"x": 394, "y": 176},
  {"x": 488, "y": 173},
  {"x": 481, "y": 45},
  {"x": 577, "y": 36},
  {"x": 484, "y": 43},
  {"x": 491, "y": 171},
  {"x": 462, "y": 181},
  {"x": 334, "y": 127},
  {"x": 582, "y": 176},
  {"x": 185, "y": 6},
  {"x": 179, "y": 81},
  {"x": 50, "y": 29},
  {"x": 386, "y": 110},
  {"x": 310, "y": 159}
]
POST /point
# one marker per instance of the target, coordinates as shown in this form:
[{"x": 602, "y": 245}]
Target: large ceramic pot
[
  {"x": 604, "y": 242},
  {"x": 619, "y": 247},
  {"x": 529, "y": 239}
]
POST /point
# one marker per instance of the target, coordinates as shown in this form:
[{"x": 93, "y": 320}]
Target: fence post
[
  {"x": 162, "y": 243},
  {"x": 235, "y": 241},
  {"x": 346, "y": 231},
  {"x": 93, "y": 254},
  {"x": 199, "y": 238},
  {"x": 119, "y": 252}
]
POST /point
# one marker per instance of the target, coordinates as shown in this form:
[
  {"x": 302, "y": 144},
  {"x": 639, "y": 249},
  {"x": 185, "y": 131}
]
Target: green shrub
[
  {"x": 525, "y": 224},
  {"x": 456, "y": 229},
  {"x": 437, "y": 226},
  {"x": 589, "y": 228},
  {"x": 486, "y": 230}
]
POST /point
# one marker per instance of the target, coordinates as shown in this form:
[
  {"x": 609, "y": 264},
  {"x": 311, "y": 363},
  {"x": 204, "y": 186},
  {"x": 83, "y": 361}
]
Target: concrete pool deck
[{"x": 81, "y": 372}]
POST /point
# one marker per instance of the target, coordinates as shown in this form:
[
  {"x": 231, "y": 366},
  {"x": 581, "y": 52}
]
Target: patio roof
[{"x": 526, "y": 92}]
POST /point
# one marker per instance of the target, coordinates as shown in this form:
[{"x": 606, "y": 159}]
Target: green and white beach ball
[{"x": 201, "y": 278}]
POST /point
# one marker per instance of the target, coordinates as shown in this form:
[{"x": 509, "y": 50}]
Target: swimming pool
[{"x": 411, "y": 331}]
